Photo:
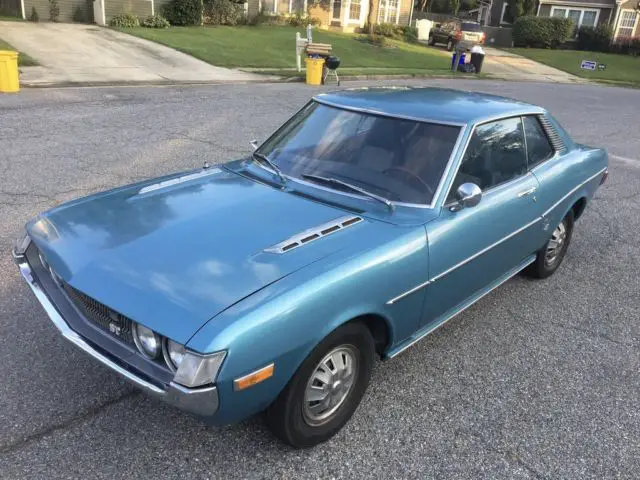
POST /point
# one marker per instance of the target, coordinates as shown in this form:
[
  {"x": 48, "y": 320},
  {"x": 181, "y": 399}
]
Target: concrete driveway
[
  {"x": 88, "y": 54},
  {"x": 510, "y": 66}
]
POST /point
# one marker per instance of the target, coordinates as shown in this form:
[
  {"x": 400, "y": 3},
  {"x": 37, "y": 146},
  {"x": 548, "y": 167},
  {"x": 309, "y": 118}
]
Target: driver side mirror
[
  {"x": 468, "y": 195},
  {"x": 254, "y": 144}
]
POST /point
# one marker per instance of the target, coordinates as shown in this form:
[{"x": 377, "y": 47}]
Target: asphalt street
[{"x": 540, "y": 379}]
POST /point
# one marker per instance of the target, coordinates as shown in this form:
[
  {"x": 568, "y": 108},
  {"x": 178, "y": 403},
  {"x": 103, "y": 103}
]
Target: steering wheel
[{"x": 413, "y": 176}]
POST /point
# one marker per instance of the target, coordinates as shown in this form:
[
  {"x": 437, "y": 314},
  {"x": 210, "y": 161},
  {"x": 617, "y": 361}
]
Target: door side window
[
  {"x": 495, "y": 155},
  {"x": 539, "y": 148}
]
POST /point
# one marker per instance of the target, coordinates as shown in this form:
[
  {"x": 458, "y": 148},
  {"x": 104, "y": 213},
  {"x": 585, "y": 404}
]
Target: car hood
[{"x": 172, "y": 253}]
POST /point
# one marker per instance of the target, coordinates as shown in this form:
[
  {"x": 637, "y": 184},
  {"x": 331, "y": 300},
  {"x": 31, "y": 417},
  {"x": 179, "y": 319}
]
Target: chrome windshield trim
[
  {"x": 379, "y": 113},
  {"x": 572, "y": 191},
  {"x": 72, "y": 336},
  {"x": 484, "y": 250}
]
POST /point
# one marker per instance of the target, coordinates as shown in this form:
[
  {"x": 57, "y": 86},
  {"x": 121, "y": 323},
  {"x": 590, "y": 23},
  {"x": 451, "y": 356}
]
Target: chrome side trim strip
[
  {"x": 463, "y": 308},
  {"x": 484, "y": 250},
  {"x": 402, "y": 295},
  {"x": 73, "y": 337},
  {"x": 574, "y": 190},
  {"x": 314, "y": 233},
  {"x": 177, "y": 180},
  {"x": 463, "y": 262}
]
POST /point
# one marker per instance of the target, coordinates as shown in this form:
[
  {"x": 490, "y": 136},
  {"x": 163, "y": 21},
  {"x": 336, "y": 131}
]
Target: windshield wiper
[
  {"x": 348, "y": 186},
  {"x": 274, "y": 167}
]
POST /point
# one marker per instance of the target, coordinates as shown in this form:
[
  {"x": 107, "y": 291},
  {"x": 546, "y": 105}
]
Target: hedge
[
  {"x": 596, "y": 39},
  {"x": 183, "y": 12},
  {"x": 541, "y": 32}
]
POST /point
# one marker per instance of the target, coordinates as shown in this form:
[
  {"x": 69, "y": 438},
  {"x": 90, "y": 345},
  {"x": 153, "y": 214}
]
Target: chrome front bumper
[{"x": 199, "y": 401}]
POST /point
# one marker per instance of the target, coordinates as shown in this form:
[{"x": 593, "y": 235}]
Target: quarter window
[
  {"x": 538, "y": 147},
  {"x": 495, "y": 155}
]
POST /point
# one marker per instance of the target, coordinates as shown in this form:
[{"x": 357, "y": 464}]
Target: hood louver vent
[
  {"x": 553, "y": 135},
  {"x": 313, "y": 234}
]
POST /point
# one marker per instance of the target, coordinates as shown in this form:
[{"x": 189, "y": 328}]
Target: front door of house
[{"x": 337, "y": 10}]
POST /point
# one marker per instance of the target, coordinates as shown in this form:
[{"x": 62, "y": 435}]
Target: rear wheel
[
  {"x": 551, "y": 255},
  {"x": 450, "y": 44},
  {"x": 326, "y": 390},
  {"x": 432, "y": 40}
]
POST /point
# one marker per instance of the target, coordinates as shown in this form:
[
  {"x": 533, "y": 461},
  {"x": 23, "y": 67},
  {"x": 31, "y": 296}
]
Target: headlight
[
  {"x": 192, "y": 369},
  {"x": 173, "y": 354},
  {"x": 147, "y": 341},
  {"x": 22, "y": 243}
]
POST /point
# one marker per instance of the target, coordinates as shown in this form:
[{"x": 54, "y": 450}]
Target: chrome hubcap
[
  {"x": 330, "y": 384},
  {"x": 555, "y": 245}
]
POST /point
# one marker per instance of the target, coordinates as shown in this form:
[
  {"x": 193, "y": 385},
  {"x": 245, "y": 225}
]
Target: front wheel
[
  {"x": 326, "y": 390},
  {"x": 450, "y": 45},
  {"x": 551, "y": 255}
]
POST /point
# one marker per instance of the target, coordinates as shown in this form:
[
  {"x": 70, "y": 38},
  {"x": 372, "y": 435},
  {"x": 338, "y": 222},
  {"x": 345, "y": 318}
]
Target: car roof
[{"x": 439, "y": 105}]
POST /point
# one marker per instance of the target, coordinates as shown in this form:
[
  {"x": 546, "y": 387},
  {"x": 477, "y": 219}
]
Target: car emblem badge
[{"x": 115, "y": 329}]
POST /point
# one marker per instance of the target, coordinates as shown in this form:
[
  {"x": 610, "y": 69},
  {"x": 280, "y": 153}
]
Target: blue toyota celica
[{"x": 271, "y": 283}]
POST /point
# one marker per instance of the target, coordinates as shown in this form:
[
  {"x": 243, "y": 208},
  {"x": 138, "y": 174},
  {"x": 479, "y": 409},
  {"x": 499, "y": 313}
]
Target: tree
[
  {"x": 422, "y": 5},
  {"x": 529, "y": 7},
  {"x": 454, "y": 5},
  {"x": 515, "y": 9}
]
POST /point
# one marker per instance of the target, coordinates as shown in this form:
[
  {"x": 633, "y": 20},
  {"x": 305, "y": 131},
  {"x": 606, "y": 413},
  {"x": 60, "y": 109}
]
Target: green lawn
[
  {"x": 24, "y": 60},
  {"x": 274, "y": 47},
  {"x": 623, "y": 69}
]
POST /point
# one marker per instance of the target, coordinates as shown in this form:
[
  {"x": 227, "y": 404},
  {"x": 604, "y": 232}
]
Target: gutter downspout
[
  {"x": 616, "y": 19},
  {"x": 24, "y": 16},
  {"x": 538, "y": 11},
  {"x": 413, "y": 3},
  {"x": 153, "y": 8}
]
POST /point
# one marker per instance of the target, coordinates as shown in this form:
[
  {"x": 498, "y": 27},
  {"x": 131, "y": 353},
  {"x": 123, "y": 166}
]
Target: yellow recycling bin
[
  {"x": 314, "y": 70},
  {"x": 9, "y": 71}
]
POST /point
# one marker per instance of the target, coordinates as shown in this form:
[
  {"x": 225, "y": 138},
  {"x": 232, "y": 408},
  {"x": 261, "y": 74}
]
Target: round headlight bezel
[
  {"x": 139, "y": 344},
  {"x": 167, "y": 354}
]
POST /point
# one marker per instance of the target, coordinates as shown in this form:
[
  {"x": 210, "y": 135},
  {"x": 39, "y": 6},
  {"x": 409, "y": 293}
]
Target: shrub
[
  {"x": 596, "y": 39},
  {"x": 184, "y": 12},
  {"x": 223, "y": 12},
  {"x": 410, "y": 34},
  {"x": 34, "y": 17},
  {"x": 626, "y": 45},
  {"x": 301, "y": 20},
  {"x": 124, "y": 20},
  {"x": 54, "y": 10},
  {"x": 266, "y": 19},
  {"x": 155, "y": 21},
  {"x": 541, "y": 32}
]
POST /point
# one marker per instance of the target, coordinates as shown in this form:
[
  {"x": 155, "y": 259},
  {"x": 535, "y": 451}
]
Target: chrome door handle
[{"x": 524, "y": 193}]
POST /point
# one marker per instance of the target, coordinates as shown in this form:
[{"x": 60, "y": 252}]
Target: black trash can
[{"x": 476, "y": 60}]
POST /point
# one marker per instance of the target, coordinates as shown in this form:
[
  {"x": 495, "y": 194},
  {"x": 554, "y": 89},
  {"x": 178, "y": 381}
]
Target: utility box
[{"x": 424, "y": 27}]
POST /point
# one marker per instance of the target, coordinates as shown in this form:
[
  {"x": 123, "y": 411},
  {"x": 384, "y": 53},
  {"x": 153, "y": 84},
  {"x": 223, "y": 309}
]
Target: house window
[
  {"x": 389, "y": 11},
  {"x": 627, "y": 23},
  {"x": 581, "y": 17},
  {"x": 504, "y": 12},
  {"x": 354, "y": 10}
]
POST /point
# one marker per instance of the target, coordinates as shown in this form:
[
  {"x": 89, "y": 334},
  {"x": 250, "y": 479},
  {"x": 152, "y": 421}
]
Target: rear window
[{"x": 471, "y": 27}]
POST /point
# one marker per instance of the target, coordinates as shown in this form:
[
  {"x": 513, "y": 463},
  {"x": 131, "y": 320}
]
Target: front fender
[{"x": 285, "y": 321}]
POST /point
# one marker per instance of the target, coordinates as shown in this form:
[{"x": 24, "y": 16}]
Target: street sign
[{"x": 588, "y": 65}]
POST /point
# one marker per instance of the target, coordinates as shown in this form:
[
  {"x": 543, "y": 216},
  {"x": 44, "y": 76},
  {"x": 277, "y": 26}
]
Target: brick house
[
  {"x": 347, "y": 15},
  {"x": 622, "y": 15}
]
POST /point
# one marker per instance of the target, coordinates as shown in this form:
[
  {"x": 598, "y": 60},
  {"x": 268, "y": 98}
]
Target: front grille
[{"x": 113, "y": 322}]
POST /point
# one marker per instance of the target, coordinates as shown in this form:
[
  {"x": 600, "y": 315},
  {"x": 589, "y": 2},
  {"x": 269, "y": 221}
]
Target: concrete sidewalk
[
  {"x": 88, "y": 54},
  {"x": 509, "y": 66}
]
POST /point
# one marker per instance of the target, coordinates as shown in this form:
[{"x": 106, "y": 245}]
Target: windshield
[
  {"x": 399, "y": 160},
  {"x": 471, "y": 27}
]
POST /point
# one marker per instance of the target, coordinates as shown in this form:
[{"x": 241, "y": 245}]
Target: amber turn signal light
[{"x": 253, "y": 378}]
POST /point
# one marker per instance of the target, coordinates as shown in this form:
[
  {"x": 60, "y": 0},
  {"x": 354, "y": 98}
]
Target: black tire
[
  {"x": 450, "y": 45},
  {"x": 432, "y": 40},
  {"x": 542, "y": 267},
  {"x": 286, "y": 416}
]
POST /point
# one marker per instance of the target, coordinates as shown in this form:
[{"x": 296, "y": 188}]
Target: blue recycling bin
[{"x": 461, "y": 60}]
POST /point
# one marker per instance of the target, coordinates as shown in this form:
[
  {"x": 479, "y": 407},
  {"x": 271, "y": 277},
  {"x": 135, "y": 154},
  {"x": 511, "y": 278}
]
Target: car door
[{"x": 473, "y": 249}]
